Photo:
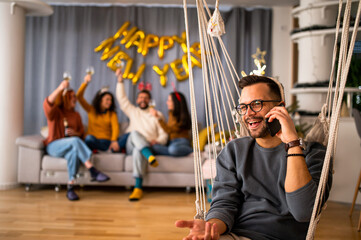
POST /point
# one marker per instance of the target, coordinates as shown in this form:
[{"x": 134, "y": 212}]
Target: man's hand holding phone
[
  {"x": 273, "y": 127},
  {"x": 285, "y": 128}
]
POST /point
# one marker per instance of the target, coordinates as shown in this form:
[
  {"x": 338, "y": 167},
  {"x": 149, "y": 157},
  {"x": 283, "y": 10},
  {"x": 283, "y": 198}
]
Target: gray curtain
[{"x": 65, "y": 41}]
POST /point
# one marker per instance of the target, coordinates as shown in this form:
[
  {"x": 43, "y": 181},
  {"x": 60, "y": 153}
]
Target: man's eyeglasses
[{"x": 255, "y": 105}]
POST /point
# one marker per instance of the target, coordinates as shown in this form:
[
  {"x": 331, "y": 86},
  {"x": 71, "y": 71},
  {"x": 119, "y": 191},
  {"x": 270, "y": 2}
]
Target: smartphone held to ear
[{"x": 273, "y": 127}]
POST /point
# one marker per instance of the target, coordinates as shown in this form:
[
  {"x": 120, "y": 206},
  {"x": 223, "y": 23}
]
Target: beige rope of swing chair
[
  {"x": 329, "y": 124},
  {"x": 213, "y": 79},
  {"x": 342, "y": 72}
]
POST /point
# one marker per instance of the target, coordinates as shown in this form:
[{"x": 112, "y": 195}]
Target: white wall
[
  {"x": 281, "y": 47},
  {"x": 347, "y": 164}
]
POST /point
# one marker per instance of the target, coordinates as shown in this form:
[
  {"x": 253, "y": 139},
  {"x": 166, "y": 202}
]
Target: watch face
[{"x": 302, "y": 144}]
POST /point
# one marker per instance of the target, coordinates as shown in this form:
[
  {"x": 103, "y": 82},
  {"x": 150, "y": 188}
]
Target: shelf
[
  {"x": 322, "y": 90},
  {"x": 318, "y": 32},
  {"x": 349, "y": 91},
  {"x": 297, "y": 10}
]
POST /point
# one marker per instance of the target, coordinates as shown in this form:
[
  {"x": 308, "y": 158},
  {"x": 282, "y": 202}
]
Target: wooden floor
[{"x": 106, "y": 213}]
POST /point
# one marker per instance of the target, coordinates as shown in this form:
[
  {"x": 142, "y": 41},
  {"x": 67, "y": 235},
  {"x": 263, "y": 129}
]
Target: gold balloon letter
[
  {"x": 108, "y": 43},
  {"x": 179, "y": 72},
  {"x": 151, "y": 40},
  {"x": 162, "y": 73},
  {"x": 112, "y": 64},
  {"x": 163, "y": 46},
  {"x": 108, "y": 51},
  {"x": 182, "y": 41},
  {"x": 138, "y": 74},
  {"x": 196, "y": 49},
  {"x": 122, "y": 30},
  {"x": 137, "y": 40}
]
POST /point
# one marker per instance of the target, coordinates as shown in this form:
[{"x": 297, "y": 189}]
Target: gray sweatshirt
[{"x": 249, "y": 195}]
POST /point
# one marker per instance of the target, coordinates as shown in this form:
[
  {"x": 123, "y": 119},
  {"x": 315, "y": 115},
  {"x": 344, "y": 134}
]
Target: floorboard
[{"x": 105, "y": 213}]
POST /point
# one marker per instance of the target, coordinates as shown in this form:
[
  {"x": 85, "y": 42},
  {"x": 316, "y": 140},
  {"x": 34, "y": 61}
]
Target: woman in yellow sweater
[
  {"x": 103, "y": 126},
  {"x": 178, "y": 127}
]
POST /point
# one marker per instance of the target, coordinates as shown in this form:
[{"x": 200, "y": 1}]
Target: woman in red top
[{"x": 65, "y": 135}]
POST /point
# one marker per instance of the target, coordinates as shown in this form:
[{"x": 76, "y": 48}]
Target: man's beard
[
  {"x": 143, "y": 105},
  {"x": 260, "y": 133}
]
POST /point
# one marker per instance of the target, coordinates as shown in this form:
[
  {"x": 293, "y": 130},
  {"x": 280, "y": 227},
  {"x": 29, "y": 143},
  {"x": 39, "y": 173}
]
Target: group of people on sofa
[{"x": 147, "y": 135}]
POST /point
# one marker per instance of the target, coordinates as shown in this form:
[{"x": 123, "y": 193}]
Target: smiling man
[
  {"x": 144, "y": 130},
  {"x": 266, "y": 185}
]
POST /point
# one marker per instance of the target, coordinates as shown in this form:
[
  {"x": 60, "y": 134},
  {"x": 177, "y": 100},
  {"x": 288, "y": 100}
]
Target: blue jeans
[
  {"x": 177, "y": 147},
  {"x": 103, "y": 144},
  {"x": 73, "y": 149}
]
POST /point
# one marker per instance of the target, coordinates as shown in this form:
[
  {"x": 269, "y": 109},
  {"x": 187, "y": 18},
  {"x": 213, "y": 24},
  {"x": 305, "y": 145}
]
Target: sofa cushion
[
  {"x": 53, "y": 163},
  {"x": 110, "y": 162},
  {"x": 31, "y": 141},
  {"x": 167, "y": 164}
]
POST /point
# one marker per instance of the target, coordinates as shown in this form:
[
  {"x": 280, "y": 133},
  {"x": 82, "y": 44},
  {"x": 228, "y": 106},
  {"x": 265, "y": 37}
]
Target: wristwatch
[{"x": 295, "y": 143}]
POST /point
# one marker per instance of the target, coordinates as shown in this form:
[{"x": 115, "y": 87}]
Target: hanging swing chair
[{"x": 214, "y": 75}]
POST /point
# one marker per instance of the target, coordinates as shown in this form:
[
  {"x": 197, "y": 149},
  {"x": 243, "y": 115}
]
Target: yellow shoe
[
  {"x": 136, "y": 195},
  {"x": 152, "y": 161}
]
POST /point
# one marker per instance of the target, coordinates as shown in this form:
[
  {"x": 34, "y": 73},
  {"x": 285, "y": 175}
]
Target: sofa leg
[
  {"x": 57, "y": 188},
  {"x": 188, "y": 189},
  {"x": 27, "y": 187}
]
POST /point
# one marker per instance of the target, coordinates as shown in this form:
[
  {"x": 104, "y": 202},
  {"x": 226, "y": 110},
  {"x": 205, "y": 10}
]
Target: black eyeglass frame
[{"x": 249, "y": 104}]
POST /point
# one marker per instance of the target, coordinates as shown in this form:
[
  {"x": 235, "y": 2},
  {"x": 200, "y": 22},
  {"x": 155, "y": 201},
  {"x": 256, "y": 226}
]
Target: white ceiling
[{"x": 243, "y": 3}]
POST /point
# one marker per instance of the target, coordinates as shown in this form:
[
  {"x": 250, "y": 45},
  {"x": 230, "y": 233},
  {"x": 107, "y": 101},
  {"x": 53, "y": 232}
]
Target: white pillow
[{"x": 44, "y": 132}]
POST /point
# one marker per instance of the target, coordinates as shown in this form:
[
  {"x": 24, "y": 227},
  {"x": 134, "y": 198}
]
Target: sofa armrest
[
  {"x": 30, "y": 154},
  {"x": 31, "y": 141}
]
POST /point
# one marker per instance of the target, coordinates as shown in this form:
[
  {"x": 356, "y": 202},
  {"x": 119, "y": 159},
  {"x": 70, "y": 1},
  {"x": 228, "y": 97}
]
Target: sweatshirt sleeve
[
  {"x": 80, "y": 96},
  {"x": 115, "y": 126},
  {"x": 301, "y": 201},
  {"x": 226, "y": 192},
  {"x": 162, "y": 135},
  {"x": 50, "y": 110},
  {"x": 125, "y": 105},
  {"x": 170, "y": 127}
]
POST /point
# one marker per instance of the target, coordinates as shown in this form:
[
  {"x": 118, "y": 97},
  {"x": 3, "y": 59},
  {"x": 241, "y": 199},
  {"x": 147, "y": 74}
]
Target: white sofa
[{"x": 36, "y": 167}]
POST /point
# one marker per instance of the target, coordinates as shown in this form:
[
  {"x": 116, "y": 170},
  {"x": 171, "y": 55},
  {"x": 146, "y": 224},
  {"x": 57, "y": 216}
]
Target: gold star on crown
[
  {"x": 259, "y": 55},
  {"x": 258, "y": 60}
]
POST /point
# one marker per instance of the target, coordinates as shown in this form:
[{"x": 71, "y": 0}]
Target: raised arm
[
  {"x": 125, "y": 105},
  {"x": 80, "y": 94},
  {"x": 49, "y": 106},
  {"x": 52, "y": 97}
]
